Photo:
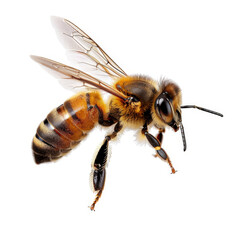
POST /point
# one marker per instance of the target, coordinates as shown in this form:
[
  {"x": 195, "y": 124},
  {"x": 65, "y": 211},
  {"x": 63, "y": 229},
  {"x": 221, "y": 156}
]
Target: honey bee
[{"x": 136, "y": 101}]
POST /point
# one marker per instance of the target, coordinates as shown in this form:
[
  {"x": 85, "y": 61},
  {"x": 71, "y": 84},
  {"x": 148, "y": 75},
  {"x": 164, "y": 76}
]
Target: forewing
[
  {"x": 75, "y": 79},
  {"x": 85, "y": 51}
]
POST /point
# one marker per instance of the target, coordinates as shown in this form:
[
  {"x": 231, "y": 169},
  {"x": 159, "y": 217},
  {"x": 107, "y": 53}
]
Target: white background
[{"x": 195, "y": 43}]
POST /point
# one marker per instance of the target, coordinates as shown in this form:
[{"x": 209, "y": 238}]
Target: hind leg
[{"x": 99, "y": 166}]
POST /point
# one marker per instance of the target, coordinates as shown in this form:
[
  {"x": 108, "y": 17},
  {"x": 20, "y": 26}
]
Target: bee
[{"x": 135, "y": 101}]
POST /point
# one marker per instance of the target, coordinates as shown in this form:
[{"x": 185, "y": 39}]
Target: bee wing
[
  {"x": 75, "y": 77},
  {"x": 84, "y": 50}
]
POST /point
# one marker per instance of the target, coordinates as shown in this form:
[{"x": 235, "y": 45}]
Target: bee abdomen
[{"x": 65, "y": 127}]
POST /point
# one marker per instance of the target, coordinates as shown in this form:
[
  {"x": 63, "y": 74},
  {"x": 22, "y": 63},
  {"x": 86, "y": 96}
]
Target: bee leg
[
  {"x": 99, "y": 165},
  {"x": 156, "y": 143},
  {"x": 160, "y": 137},
  {"x": 104, "y": 122}
]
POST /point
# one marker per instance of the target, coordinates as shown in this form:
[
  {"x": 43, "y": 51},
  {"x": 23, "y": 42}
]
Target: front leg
[
  {"x": 160, "y": 135},
  {"x": 156, "y": 143},
  {"x": 99, "y": 165}
]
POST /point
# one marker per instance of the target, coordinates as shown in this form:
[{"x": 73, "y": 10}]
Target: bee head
[
  {"x": 167, "y": 108},
  {"x": 167, "y": 105}
]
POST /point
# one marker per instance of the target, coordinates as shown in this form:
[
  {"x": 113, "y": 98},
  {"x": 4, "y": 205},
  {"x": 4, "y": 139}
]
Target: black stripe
[
  {"x": 48, "y": 125},
  {"x": 52, "y": 128},
  {"x": 39, "y": 138},
  {"x": 71, "y": 112}
]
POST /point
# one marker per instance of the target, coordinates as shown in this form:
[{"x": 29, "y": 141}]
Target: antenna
[
  {"x": 203, "y": 109},
  {"x": 183, "y": 137}
]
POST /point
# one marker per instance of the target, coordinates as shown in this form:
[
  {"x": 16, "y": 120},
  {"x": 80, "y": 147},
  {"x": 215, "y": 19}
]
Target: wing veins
[
  {"x": 87, "y": 46},
  {"x": 78, "y": 75}
]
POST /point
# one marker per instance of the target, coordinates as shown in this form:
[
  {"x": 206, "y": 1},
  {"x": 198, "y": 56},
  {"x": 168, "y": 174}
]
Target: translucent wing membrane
[
  {"x": 84, "y": 51},
  {"x": 73, "y": 78},
  {"x": 88, "y": 65}
]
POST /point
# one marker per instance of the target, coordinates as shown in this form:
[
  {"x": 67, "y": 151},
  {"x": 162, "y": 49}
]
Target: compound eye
[{"x": 165, "y": 110}]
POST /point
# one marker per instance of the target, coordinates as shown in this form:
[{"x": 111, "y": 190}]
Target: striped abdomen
[{"x": 66, "y": 126}]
